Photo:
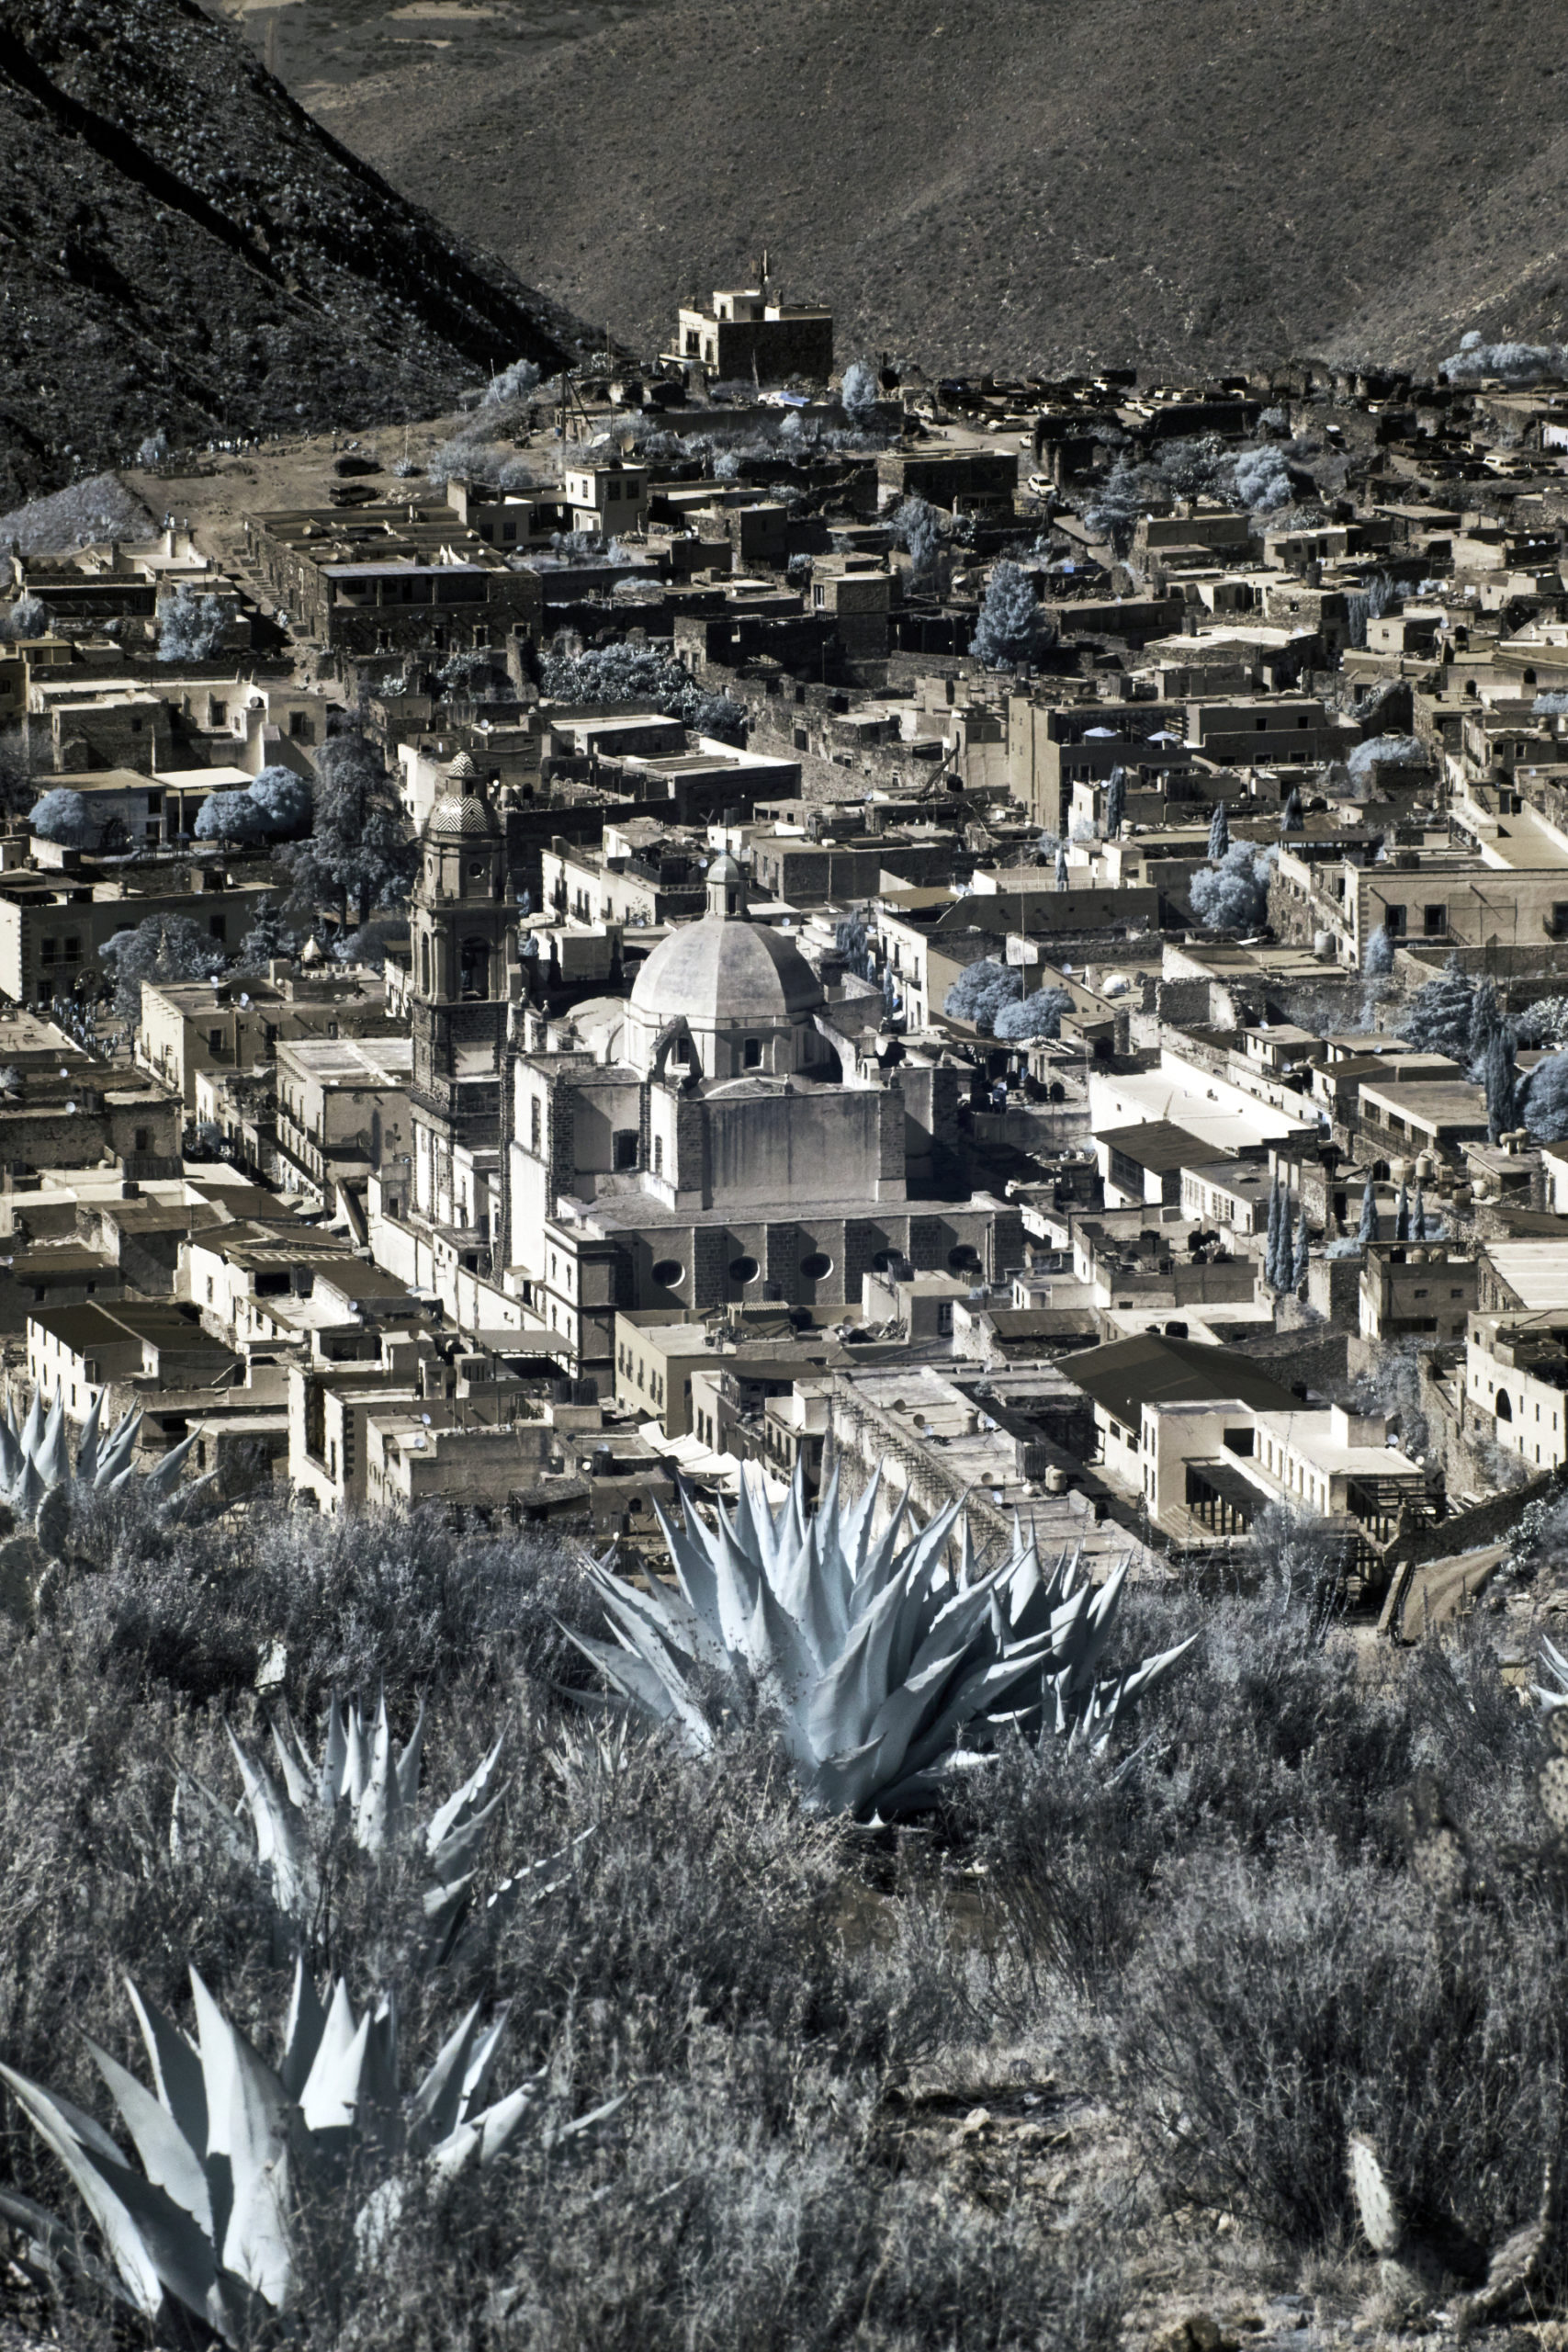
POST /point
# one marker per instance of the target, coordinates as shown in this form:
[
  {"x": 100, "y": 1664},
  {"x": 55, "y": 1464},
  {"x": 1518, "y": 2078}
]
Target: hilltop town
[
  {"x": 783, "y": 1340},
  {"x": 708, "y": 911}
]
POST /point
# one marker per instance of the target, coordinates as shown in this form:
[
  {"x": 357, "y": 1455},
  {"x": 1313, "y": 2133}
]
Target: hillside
[
  {"x": 983, "y": 182},
  {"x": 182, "y": 248}
]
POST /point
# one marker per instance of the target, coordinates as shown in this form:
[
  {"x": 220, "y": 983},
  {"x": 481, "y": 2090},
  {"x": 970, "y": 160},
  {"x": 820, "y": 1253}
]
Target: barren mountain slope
[
  {"x": 181, "y": 246},
  {"x": 1017, "y": 181}
]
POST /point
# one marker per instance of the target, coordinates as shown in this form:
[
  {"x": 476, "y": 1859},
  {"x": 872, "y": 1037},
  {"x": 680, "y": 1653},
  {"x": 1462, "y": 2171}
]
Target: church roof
[
  {"x": 459, "y": 814},
  {"x": 719, "y": 970}
]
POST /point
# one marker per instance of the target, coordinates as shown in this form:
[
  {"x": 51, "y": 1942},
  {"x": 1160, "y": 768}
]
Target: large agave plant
[
  {"x": 879, "y": 1658},
  {"x": 232, "y": 2150},
  {"x": 35, "y": 1455},
  {"x": 377, "y": 1793}
]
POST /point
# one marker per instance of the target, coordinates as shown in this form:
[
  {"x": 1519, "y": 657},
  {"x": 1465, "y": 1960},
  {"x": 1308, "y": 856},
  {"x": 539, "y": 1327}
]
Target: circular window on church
[
  {"x": 743, "y": 1270},
  {"x": 667, "y": 1271},
  {"x": 817, "y": 1267}
]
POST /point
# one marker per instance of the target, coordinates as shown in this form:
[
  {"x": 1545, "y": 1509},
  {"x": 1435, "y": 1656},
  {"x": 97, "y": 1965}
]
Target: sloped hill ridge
[
  {"x": 181, "y": 246},
  {"x": 1026, "y": 182}
]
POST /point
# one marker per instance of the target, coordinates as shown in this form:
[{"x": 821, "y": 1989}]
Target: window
[
  {"x": 217, "y": 928},
  {"x": 48, "y": 950},
  {"x": 1434, "y": 920},
  {"x": 1393, "y": 921},
  {"x": 299, "y": 727},
  {"x": 659, "y": 1155},
  {"x": 624, "y": 1148},
  {"x": 535, "y": 1126},
  {"x": 219, "y": 713},
  {"x": 142, "y": 1139},
  {"x": 753, "y": 1054},
  {"x": 476, "y": 968}
]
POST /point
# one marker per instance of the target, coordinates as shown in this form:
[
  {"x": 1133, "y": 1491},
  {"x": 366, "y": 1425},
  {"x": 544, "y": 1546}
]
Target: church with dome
[{"x": 728, "y": 1134}]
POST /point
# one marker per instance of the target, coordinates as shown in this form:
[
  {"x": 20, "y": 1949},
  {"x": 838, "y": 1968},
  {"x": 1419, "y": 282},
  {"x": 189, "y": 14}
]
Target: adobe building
[{"x": 746, "y": 334}]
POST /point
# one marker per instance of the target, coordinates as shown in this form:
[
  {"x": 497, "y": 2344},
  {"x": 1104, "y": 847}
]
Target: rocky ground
[
  {"x": 984, "y": 184},
  {"x": 185, "y": 250}
]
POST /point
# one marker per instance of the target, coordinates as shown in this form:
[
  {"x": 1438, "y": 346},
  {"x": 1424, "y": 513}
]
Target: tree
[
  {"x": 1299, "y": 1269},
  {"x": 1115, "y": 803},
  {"x": 1386, "y": 750},
  {"x": 1485, "y": 1020},
  {"x": 191, "y": 629},
  {"x": 357, "y": 850},
  {"x": 1262, "y": 480},
  {"x": 268, "y": 938},
  {"x": 284, "y": 799},
  {"x": 1543, "y": 1100},
  {"x": 1439, "y": 1017},
  {"x": 916, "y": 526},
  {"x": 1009, "y": 626},
  {"x": 979, "y": 992},
  {"x": 513, "y": 383},
  {"x": 1271, "y": 1240},
  {"x": 1402, "y": 1213},
  {"x": 1378, "y": 961},
  {"x": 1499, "y": 1075},
  {"x": 1219, "y": 833},
  {"x": 859, "y": 393},
  {"x": 1368, "y": 1228},
  {"x": 274, "y": 808},
  {"x": 64, "y": 817},
  {"x": 1061, "y": 874},
  {"x": 1233, "y": 895},
  {"x": 1292, "y": 818},
  {"x": 29, "y": 616},
  {"x": 229, "y": 816},
  {"x": 164, "y": 947},
  {"x": 1544, "y": 1023},
  {"x": 1039, "y": 1015},
  {"x": 719, "y": 717}
]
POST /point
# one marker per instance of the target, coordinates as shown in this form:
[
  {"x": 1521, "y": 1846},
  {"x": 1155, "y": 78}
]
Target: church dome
[
  {"x": 714, "y": 971},
  {"x": 458, "y": 815},
  {"x": 462, "y": 770}
]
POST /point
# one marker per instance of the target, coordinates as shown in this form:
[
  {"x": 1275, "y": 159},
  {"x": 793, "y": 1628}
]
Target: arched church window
[
  {"x": 424, "y": 964},
  {"x": 476, "y": 968}
]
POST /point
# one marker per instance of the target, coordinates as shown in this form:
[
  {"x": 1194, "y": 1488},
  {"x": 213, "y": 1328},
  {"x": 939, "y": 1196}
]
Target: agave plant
[
  {"x": 35, "y": 1456},
  {"x": 878, "y": 1658},
  {"x": 233, "y": 2151},
  {"x": 377, "y": 1793}
]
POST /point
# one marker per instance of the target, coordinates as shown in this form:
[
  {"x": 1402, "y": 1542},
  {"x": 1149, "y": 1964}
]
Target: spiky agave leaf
[
  {"x": 230, "y": 2148},
  {"x": 35, "y": 1458},
  {"x": 877, "y": 1655},
  {"x": 378, "y": 1793}
]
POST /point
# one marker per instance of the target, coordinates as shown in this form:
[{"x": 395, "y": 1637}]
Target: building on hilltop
[{"x": 746, "y": 334}]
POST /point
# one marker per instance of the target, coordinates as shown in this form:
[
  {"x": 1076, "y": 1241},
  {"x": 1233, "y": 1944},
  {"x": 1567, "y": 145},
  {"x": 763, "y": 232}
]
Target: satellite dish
[
  {"x": 245, "y": 1001},
  {"x": 425, "y": 1418},
  {"x": 420, "y": 1439},
  {"x": 69, "y": 1110}
]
